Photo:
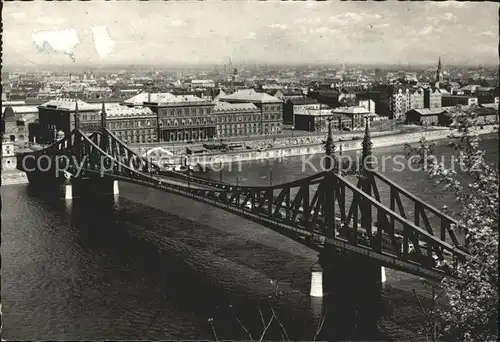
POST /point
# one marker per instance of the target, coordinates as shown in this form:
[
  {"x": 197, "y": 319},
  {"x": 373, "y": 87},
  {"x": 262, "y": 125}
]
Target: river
[{"x": 150, "y": 265}]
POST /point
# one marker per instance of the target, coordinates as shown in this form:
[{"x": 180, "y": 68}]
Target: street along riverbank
[{"x": 213, "y": 159}]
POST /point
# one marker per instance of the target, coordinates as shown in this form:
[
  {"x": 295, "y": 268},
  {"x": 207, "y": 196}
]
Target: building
[
  {"x": 469, "y": 89},
  {"x": 405, "y": 98},
  {"x": 432, "y": 97},
  {"x": 130, "y": 124},
  {"x": 236, "y": 119},
  {"x": 335, "y": 98},
  {"x": 425, "y": 116},
  {"x": 180, "y": 117},
  {"x": 367, "y": 104},
  {"x": 453, "y": 100},
  {"x": 313, "y": 119},
  {"x": 134, "y": 125},
  {"x": 9, "y": 161},
  {"x": 487, "y": 115},
  {"x": 271, "y": 109},
  {"x": 381, "y": 98},
  {"x": 59, "y": 115},
  {"x": 16, "y": 121},
  {"x": 290, "y": 105},
  {"x": 18, "y": 110},
  {"x": 487, "y": 95},
  {"x": 202, "y": 84},
  {"x": 400, "y": 102},
  {"x": 417, "y": 98},
  {"x": 356, "y": 114}
]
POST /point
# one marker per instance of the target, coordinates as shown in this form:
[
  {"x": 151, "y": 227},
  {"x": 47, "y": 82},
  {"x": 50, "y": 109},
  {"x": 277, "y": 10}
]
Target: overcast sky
[{"x": 272, "y": 32}]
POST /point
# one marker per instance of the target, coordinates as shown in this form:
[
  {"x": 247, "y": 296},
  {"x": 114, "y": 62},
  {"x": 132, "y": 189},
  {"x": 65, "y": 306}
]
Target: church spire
[{"x": 439, "y": 71}]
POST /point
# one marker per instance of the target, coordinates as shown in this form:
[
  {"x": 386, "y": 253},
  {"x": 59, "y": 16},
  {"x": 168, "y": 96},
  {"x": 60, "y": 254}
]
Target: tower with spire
[
  {"x": 103, "y": 116},
  {"x": 329, "y": 149},
  {"x": 77, "y": 116},
  {"x": 439, "y": 72}
]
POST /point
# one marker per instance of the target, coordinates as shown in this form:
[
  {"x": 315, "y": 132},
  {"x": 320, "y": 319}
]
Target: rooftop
[
  {"x": 459, "y": 96},
  {"x": 351, "y": 110},
  {"x": 124, "y": 111},
  {"x": 250, "y": 95},
  {"x": 28, "y": 118},
  {"x": 489, "y": 105},
  {"x": 312, "y": 111},
  {"x": 430, "y": 111},
  {"x": 70, "y": 104},
  {"x": 303, "y": 101},
  {"x": 226, "y": 106},
  {"x": 163, "y": 98},
  {"x": 22, "y": 109}
]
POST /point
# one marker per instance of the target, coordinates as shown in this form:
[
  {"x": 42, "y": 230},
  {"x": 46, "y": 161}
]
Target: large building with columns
[
  {"x": 179, "y": 117},
  {"x": 236, "y": 119},
  {"x": 130, "y": 124},
  {"x": 270, "y": 108}
]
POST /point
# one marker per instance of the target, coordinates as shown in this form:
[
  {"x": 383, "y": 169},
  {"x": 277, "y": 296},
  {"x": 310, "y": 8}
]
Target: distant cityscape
[
  {"x": 145, "y": 106},
  {"x": 250, "y": 170}
]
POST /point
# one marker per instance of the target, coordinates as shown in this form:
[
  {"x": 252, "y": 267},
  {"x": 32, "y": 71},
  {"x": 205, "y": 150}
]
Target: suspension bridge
[{"x": 325, "y": 211}]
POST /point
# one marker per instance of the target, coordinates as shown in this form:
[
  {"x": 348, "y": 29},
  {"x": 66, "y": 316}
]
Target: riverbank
[
  {"x": 13, "y": 177},
  {"x": 282, "y": 149},
  {"x": 266, "y": 142},
  {"x": 384, "y": 140}
]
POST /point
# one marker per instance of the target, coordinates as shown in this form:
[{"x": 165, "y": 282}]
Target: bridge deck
[{"x": 313, "y": 210}]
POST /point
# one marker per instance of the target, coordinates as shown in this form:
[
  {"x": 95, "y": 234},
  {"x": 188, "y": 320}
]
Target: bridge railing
[
  {"x": 421, "y": 210},
  {"x": 313, "y": 206},
  {"x": 419, "y": 236}
]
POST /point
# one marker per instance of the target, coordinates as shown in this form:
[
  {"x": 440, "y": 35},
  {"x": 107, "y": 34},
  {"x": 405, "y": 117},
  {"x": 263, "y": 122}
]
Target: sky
[{"x": 211, "y": 32}]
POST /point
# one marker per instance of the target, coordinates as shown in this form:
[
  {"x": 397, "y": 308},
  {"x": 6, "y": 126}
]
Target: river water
[{"x": 150, "y": 265}]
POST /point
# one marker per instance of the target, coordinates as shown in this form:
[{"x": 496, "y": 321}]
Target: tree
[
  {"x": 268, "y": 322},
  {"x": 473, "y": 299}
]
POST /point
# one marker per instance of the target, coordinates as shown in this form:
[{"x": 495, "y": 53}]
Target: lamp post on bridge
[
  {"x": 330, "y": 149},
  {"x": 77, "y": 116},
  {"x": 103, "y": 117}
]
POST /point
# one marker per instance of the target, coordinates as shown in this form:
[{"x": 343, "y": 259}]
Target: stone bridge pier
[
  {"x": 352, "y": 290},
  {"x": 70, "y": 188},
  {"x": 340, "y": 273},
  {"x": 87, "y": 187}
]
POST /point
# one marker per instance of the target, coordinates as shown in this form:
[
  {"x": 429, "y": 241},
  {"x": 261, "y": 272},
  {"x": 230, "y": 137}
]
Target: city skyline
[{"x": 157, "y": 33}]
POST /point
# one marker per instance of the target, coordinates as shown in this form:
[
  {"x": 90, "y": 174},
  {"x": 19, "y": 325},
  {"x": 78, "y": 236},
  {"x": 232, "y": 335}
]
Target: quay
[
  {"x": 299, "y": 146},
  {"x": 281, "y": 148}
]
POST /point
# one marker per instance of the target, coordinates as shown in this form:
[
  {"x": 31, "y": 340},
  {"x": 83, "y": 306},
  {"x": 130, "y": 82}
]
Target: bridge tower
[
  {"x": 330, "y": 165},
  {"x": 367, "y": 180},
  {"x": 104, "y": 142},
  {"x": 68, "y": 183},
  {"x": 339, "y": 272}
]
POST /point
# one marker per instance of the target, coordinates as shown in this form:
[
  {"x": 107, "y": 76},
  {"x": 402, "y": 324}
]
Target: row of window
[
  {"x": 248, "y": 118},
  {"x": 186, "y": 122},
  {"x": 186, "y": 111},
  {"x": 230, "y": 131},
  {"x": 135, "y": 132},
  {"x": 118, "y": 124},
  {"x": 136, "y": 136},
  {"x": 272, "y": 108}
]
